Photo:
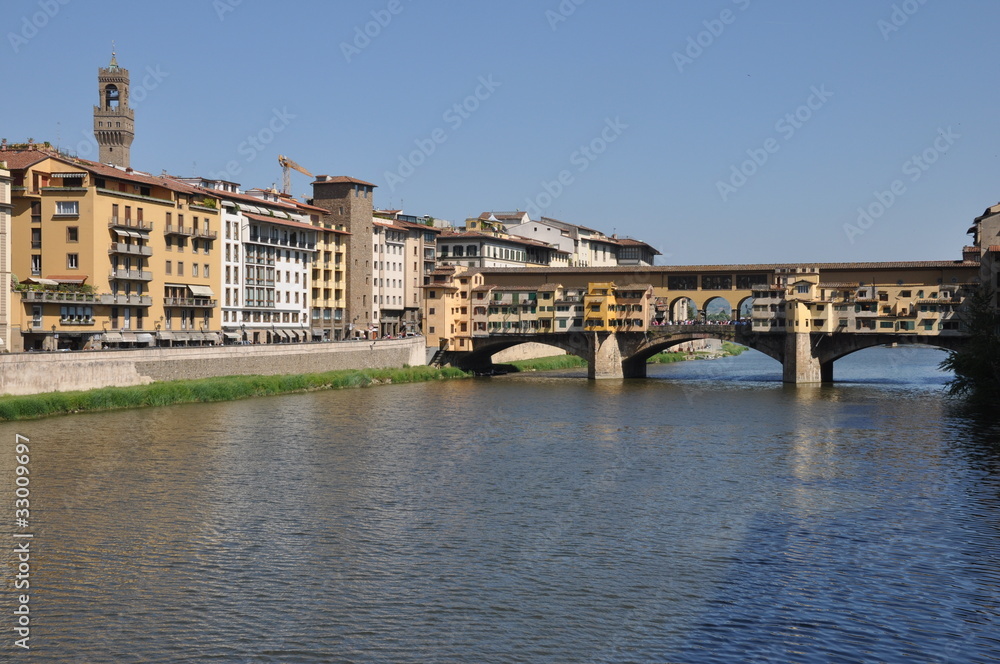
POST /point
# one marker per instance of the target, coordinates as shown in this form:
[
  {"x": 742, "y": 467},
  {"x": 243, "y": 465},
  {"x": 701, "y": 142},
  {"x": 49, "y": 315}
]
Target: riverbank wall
[{"x": 35, "y": 373}]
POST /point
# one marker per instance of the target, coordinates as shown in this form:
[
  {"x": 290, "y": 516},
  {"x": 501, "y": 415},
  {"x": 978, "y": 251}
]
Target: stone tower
[
  {"x": 349, "y": 204},
  {"x": 114, "y": 121}
]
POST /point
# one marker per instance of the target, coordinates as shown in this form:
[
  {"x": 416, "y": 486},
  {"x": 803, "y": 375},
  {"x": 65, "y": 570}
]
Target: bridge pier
[
  {"x": 801, "y": 365},
  {"x": 605, "y": 359}
]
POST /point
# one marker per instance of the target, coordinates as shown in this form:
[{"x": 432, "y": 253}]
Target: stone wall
[{"x": 32, "y": 373}]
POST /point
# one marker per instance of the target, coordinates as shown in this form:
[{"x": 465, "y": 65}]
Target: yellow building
[
  {"x": 108, "y": 255},
  {"x": 5, "y": 294}
]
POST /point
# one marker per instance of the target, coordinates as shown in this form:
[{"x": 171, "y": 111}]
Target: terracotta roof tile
[
  {"x": 279, "y": 221},
  {"x": 340, "y": 179}
]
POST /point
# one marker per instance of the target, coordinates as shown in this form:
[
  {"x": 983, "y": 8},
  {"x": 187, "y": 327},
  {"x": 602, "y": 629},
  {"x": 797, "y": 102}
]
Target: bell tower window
[{"x": 111, "y": 96}]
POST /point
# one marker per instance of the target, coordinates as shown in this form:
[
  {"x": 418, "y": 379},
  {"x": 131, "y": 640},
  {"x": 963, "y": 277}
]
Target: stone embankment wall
[{"x": 32, "y": 373}]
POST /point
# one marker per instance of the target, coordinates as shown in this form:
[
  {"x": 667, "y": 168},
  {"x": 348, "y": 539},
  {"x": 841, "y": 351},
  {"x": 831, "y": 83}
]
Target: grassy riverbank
[
  {"x": 555, "y": 362},
  {"x": 223, "y": 388}
]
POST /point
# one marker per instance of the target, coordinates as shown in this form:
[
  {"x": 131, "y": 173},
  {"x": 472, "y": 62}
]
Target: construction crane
[{"x": 287, "y": 164}]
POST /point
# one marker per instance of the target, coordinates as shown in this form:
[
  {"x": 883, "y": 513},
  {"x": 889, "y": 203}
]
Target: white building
[{"x": 269, "y": 247}]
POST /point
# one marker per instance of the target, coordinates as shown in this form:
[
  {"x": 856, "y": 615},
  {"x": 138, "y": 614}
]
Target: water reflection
[{"x": 687, "y": 517}]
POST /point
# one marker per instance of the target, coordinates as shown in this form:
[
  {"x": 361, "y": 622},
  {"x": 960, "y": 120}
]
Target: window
[
  {"x": 73, "y": 261},
  {"x": 204, "y": 271},
  {"x": 802, "y": 289},
  {"x": 72, "y": 234},
  {"x": 36, "y": 265},
  {"x": 180, "y": 269},
  {"x": 194, "y": 269},
  {"x": 67, "y": 208},
  {"x": 169, "y": 267},
  {"x": 36, "y": 238}
]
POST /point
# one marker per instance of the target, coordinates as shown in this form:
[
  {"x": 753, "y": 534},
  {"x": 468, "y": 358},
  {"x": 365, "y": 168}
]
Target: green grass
[
  {"x": 223, "y": 388},
  {"x": 548, "y": 363}
]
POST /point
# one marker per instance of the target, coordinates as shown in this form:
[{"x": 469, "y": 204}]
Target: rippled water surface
[{"x": 705, "y": 514}]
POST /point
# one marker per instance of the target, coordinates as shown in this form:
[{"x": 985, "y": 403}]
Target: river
[{"x": 707, "y": 513}]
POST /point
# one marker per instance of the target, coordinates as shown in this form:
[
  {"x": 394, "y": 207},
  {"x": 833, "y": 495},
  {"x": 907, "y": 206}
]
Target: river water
[{"x": 707, "y": 513}]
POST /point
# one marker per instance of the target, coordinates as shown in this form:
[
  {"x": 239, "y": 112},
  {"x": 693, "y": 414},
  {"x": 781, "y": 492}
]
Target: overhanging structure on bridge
[{"x": 804, "y": 315}]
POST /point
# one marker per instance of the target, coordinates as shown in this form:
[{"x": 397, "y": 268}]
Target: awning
[
  {"x": 113, "y": 337},
  {"x": 212, "y": 337},
  {"x": 201, "y": 291},
  {"x": 41, "y": 282},
  {"x": 281, "y": 334},
  {"x": 235, "y": 336},
  {"x": 122, "y": 233},
  {"x": 196, "y": 336},
  {"x": 181, "y": 336},
  {"x": 165, "y": 336},
  {"x": 144, "y": 338},
  {"x": 129, "y": 337},
  {"x": 74, "y": 280},
  {"x": 68, "y": 175}
]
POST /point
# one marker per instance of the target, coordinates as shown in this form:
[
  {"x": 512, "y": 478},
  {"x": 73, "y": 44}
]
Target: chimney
[{"x": 3, "y": 145}]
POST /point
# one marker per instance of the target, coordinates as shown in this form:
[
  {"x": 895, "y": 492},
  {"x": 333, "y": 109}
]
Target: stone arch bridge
[{"x": 806, "y": 357}]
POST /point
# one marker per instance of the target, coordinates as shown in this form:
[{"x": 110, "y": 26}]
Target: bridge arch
[{"x": 484, "y": 349}]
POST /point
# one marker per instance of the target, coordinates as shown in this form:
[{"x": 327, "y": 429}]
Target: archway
[
  {"x": 889, "y": 359},
  {"x": 717, "y": 309},
  {"x": 683, "y": 309},
  {"x": 745, "y": 308}
]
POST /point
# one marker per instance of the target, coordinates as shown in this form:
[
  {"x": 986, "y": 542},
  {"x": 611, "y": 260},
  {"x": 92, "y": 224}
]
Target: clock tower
[{"x": 114, "y": 121}]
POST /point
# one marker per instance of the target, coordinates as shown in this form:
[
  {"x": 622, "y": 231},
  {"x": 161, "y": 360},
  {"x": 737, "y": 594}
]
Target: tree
[{"x": 977, "y": 365}]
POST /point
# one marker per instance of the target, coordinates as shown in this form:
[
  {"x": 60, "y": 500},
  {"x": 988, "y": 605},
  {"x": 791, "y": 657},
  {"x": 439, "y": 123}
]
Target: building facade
[
  {"x": 6, "y": 294},
  {"x": 348, "y": 203}
]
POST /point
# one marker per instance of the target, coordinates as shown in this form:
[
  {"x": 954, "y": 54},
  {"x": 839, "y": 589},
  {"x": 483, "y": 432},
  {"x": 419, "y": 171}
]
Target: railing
[
  {"x": 188, "y": 302},
  {"x": 178, "y": 230},
  {"x": 76, "y": 321},
  {"x": 117, "y": 222},
  {"x": 133, "y": 249},
  {"x": 134, "y": 275},
  {"x": 205, "y": 233},
  {"x": 57, "y": 296},
  {"x": 131, "y": 298}
]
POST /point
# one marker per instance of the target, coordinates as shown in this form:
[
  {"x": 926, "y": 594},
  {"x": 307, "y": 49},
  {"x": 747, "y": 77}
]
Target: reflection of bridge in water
[{"x": 805, "y": 357}]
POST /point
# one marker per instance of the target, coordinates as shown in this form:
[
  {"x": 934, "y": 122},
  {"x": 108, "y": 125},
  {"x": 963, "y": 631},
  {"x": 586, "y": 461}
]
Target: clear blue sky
[{"x": 665, "y": 120}]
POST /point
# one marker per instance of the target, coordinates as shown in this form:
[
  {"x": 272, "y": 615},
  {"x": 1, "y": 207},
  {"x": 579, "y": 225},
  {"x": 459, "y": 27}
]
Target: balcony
[
  {"x": 132, "y": 299},
  {"x": 76, "y": 321},
  {"x": 189, "y": 302},
  {"x": 131, "y": 249},
  {"x": 186, "y": 231},
  {"x": 118, "y": 222},
  {"x": 131, "y": 275},
  {"x": 206, "y": 234},
  {"x": 58, "y": 296}
]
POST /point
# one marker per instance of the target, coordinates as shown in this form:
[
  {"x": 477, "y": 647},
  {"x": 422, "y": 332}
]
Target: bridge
[
  {"x": 805, "y": 357},
  {"x": 804, "y": 316}
]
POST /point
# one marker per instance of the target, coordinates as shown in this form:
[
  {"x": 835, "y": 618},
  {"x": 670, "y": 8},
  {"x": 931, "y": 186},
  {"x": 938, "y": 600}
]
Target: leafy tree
[{"x": 977, "y": 365}]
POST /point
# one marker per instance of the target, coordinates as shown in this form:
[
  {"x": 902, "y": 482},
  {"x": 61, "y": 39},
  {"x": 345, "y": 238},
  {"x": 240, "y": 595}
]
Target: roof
[
  {"x": 630, "y": 242},
  {"x": 838, "y": 284},
  {"x": 340, "y": 179},
  {"x": 513, "y": 239},
  {"x": 632, "y": 287},
  {"x": 280, "y": 222},
  {"x": 566, "y": 223},
  {"x": 993, "y": 248},
  {"x": 748, "y": 267}
]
